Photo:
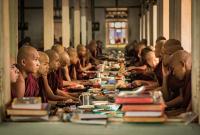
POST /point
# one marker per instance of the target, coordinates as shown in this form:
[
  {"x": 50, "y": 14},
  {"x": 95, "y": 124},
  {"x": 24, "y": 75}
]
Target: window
[{"x": 116, "y": 27}]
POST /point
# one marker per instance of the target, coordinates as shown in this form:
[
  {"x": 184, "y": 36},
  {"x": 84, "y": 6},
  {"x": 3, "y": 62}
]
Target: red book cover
[
  {"x": 151, "y": 107},
  {"x": 134, "y": 100}
]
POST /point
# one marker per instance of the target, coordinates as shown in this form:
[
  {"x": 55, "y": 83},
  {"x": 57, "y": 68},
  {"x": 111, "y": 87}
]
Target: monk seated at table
[
  {"x": 58, "y": 48},
  {"x": 84, "y": 58},
  {"x": 170, "y": 84},
  {"x": 74, "y": 67},
  {"x": 92, "y": 51},
  {"x": 43, "y": 81},
  {"x": 180, "y": 64},
  {"x": 28, "y": 64},
  {"x": 64, "y": 71},
  {"x": 150, "y": 60},
  {"x": 14, "y": 71},
  {"x": 55, "y": 80},
  {"x": 137, "y": 59}
]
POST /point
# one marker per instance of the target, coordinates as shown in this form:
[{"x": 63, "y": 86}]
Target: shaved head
[
  {"x": 183, "y": 57},
  {"x": 158, "y": 48},
  {"x": 180, "y": 64},
  {"x": 43, "y": 57},
  {"x": 54, "y": 63},
  {"x": 24, "y": 52},
  {"x": 27, "y": 59},
  {"x": 171, "y": 46},
  {"x": 58, "y": 48},
  {"x": 64, "y": 59},
  {"x": 44, "y": 63},
  {"x": 73, "y": 55},
  {"x": 51, "y": 54}
]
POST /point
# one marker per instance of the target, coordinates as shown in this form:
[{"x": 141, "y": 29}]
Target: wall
[
  {"x": 133, "y": 18},
  {"x": 34, "y": 17}
]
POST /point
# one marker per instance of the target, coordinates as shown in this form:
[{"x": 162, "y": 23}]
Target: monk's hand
[
  {"x": 165, "y": 71},
  {"x": 90, "y": 65},
  {"x": 130, "y": 68},
  {"x": 69, "y": 101},
  {"x": 138, "y": 82}
]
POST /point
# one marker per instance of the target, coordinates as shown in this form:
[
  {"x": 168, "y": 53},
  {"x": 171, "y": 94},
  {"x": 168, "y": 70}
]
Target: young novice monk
[
  {"x": 170, "y": 84},
  {"x": 43, "y": 81},
  {"x": 149, "y": 59},
  {"x": 54, "y": 80},
  {"x": 83, "y": 57},
  {"x": 58, "y": 48},
  {"x": 180, "y": 65},
  {"x": 28, "y": 64},
  {"x": 14, "y": 71},
  {"x": 74, "y": 67}
]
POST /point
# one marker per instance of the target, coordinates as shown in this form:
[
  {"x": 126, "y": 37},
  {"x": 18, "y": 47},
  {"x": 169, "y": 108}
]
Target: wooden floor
[{"x": 58, "y": 128}]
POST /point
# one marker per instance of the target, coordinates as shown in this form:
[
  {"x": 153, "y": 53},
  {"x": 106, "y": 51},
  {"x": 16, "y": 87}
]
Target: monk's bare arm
[
  {"x": 174, "y": 102},
  {"x": 49, "y": 92},
  {"x": 67, "y": 73},
  {"x": 20, "y": 86},
  {"x": 65, "y": 94}
]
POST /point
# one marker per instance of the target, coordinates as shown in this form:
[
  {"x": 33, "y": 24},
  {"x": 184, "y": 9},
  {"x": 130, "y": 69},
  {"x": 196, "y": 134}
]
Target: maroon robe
[
  {"x": 186, "y": 91},
  {"x": 55, "y": 81},
  {"x": 31, "y": 87},
  {"x": 42, "y": 89},
  {"x": 158, "y": 73}
]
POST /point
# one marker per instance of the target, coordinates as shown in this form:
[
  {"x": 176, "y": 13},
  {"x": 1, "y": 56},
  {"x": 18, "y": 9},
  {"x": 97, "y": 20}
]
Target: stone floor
[{"x": 59, "y": 128}]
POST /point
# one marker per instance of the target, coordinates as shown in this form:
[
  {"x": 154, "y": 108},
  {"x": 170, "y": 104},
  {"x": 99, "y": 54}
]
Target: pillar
[
  {"x": 83, "y": 22},
  {"x": 76, "y": 22},
  {"x": 48, "y": 24},
  {"x": 65, "y": 23},
  {"x": 186, "y": 24}
]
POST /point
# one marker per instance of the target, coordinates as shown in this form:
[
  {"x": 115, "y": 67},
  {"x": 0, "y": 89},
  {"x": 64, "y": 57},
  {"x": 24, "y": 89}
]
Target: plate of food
[{"x": 77, "y": 88}]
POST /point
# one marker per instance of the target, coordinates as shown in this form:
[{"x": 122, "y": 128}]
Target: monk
[
  {"x": 65, "y": 62},
  {"x": 83, "y": 57},
  {"x": 58, "y": 48},
  {"x": 169, "y": 82},
  {"x": 28, "y": 64},
  {"x": 150, "y": 60},
  {"x": 180, "y": 65},
  {"x": 158, "y": 54},
  {"x": 55, "y": 80},
  {"x": 74, "y": 68},
  {"x": 14, "y": 71},
  {"x": 43, "y": 81},
  {"x": 138, "y": 61},
  {"x": 92, "y": 50}
]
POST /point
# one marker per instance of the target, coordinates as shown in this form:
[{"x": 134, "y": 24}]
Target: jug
[{"x": 85, "y": 98}]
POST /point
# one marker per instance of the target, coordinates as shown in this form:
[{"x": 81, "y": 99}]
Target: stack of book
[
  {"x": 28, "y": 109},
  {"x": 148, "y": 107},
  {"x": 89, "y": 118}
]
